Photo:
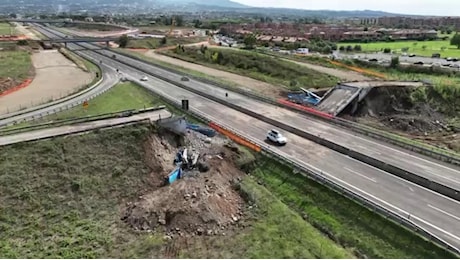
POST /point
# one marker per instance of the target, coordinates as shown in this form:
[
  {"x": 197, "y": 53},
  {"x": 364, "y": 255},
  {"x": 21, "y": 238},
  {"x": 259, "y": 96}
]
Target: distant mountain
[{"x": 177, "y": 5}]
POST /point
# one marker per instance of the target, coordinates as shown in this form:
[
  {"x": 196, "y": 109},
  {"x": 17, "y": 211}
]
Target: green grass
[
  {"x": 153, "y": 43},
  {"x": 61, "y": 198},
  {"x": 261, "y": 67},
  {"x": 283, "y": 231},
  {"x": 15, "y": 64},
  {"x": 416, "y": 47},
  {"x": 6, "y": 29},
  {"x": 123, "y": 96},
  {"x": 352, "y": 226}
]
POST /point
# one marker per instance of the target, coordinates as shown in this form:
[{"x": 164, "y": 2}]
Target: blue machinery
[{"x": 307, "y": 97}]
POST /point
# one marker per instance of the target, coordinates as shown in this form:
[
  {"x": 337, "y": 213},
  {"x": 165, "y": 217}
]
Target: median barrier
[
  {"x": 452, "y": 193},
  {"x": 336, "y": 187},
  {"x": 436, "y": 153},
  {"x": 416, "y": 147},
  {"x": 321, "y": 178}
]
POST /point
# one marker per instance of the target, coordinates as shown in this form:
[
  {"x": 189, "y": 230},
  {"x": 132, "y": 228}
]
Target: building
[{"x": 428, "y": 22}]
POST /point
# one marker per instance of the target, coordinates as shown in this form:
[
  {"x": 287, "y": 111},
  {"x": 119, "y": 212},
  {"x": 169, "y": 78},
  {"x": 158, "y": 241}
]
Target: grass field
[
  {"x": 15, "y": 64},
  {"x": 257, "y": 66},
  {"x": 73, "y": 228},
  {"x": 365, "y": 233},
  {"x": 69, "y": 207},
  {"x": 422, "y": 48},
  {"x": 153, "y": 43},
  {"x": 123, "y": 96},
  {"x": 6, "y": 29}
]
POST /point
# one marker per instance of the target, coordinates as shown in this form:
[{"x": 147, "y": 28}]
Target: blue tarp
[
  {"x": 203, "y": 130},
  {"x": 174, "y": 175}
]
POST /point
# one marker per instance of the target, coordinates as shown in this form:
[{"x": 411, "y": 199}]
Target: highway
[
  {"x": 434, "y": 212},
  {"x": 81, "y": 127},
  {"x": 440, "y": 172}
]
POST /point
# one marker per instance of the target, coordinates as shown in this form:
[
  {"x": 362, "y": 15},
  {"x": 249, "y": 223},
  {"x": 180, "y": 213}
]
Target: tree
[
  {"x": 455, "y": 40},
  {"x": 341, "y": 48},
  {"x": 357, "y": 47},
  {"x": 349, "y": 48},
  {"x": 424, "y": 47},
  {"x": 250, "y": 41},
  {"x": 394, "y": 62},
  {"x": 366, "y": 29},
  {"x": 386, "y": 50},
  {"x": 123, "y": 41},
  {"x": 163, "y": 41}
]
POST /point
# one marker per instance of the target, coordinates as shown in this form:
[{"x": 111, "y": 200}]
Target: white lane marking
[
  {"x": 357, "y": 173},
  {"x": 406, "y": 181},
  {"x": 370, "y": 195},
  {"x": 401, "y": 152},
  {"x": 444, "y": 212}
]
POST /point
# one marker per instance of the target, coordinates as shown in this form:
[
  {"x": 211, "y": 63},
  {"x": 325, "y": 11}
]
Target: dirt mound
[
  {"x": 198, "y": 203},
  {"x": 392, "y": 107}
]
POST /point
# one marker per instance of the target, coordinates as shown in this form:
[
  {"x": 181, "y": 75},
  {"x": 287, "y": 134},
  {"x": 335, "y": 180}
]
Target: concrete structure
[
  {"x": 81, "y": 127},
  {"x": 349, "y": 94},
  {"x": 428, "y": 209}
]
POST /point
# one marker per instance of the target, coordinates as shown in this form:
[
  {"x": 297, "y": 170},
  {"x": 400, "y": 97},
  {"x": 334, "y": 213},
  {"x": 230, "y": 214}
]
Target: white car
[
  {"x": 144, "y": 78},
  {"x": 276, "y": 137}
]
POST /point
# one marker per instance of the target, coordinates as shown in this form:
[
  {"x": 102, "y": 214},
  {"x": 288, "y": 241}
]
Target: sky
[{"x": 416, "y": 7}]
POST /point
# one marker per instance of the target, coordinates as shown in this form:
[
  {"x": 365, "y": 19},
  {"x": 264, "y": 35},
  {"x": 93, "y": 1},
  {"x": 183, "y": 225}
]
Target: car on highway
[
  {"x": 184, "y": 79},
  {"x": 276, "y": 137},
  {"x": 144, "y": 78},
  {"x": 418, "y": 63},
  {"x": 412, "y": 55}
]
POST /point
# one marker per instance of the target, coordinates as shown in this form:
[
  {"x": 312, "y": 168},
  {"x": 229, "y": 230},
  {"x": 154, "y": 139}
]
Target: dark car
[{"x": 418, "y": 63}]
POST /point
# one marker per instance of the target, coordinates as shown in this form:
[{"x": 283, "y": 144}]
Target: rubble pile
[{"x": 201, "y": 202}]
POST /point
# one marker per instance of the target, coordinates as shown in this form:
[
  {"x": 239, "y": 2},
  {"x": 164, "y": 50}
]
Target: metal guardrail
[
  {"x": 433, "y": 152},
  {"x": 310, "y": 173},
  {"x": 56, "y": 110},
  {"x": 320, "y": 178},
  {"x": 390, "y": 168},
  {"x": 79, "y": 120},
  {"x": 28, "y": 110}
]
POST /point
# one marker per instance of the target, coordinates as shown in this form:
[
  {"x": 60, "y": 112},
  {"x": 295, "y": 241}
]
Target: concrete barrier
[
  {"x": 449, "y": 192},
  {"x": 433, "y": 152}
]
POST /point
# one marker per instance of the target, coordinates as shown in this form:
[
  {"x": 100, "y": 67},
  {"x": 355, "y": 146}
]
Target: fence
[
  {"x": 317, "y": 176},
  {"x": 397, "y": 171},
  {"x": 434, "y": 152},
  {"x": 313, "y": 174}
]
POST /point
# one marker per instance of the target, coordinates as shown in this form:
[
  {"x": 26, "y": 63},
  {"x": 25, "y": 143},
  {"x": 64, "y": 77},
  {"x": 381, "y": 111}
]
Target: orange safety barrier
[
  {"x": 308, "y": 109},
  {"x": 24, "y": 84},
  {"x": 364, "y": 71},
  {"x": 235, "y": 138}
]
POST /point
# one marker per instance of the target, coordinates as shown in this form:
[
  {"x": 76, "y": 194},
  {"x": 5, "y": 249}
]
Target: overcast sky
[{"x": 420, "y": 7}]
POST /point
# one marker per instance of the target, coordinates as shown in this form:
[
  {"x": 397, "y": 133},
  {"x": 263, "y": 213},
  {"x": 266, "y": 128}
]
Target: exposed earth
[
  {"x": 392, "y": 108},
  {"x": 201, "y": 203},
  {"x": 56, "y": 77}
]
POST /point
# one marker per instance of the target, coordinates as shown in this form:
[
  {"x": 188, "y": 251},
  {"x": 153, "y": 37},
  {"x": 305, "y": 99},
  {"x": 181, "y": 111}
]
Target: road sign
[{"x": 85, "y": 104}]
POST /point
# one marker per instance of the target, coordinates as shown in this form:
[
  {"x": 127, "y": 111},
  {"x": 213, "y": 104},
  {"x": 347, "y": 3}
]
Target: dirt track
[
  {"x": 341, "y": 74},
  {"x": 56, "y": 77},
  {"x": 245, "y": 82}
]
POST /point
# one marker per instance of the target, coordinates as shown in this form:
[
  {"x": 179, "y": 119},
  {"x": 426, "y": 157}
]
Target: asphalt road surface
[
  {"x": 434, "y": 212},
  {"x": 78, "y": 128},
  {"x": 446, "y": 174}
]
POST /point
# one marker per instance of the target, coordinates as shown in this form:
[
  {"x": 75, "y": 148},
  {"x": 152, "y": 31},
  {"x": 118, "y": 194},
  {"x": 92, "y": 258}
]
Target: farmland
[{"x": 422, "y": 48}]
